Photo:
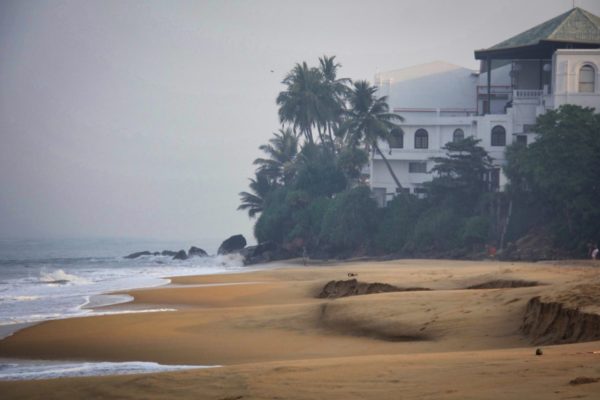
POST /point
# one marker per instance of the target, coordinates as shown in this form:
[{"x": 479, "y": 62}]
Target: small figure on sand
[
  {"x": 595, "y": 255},
  {"x": 304, "y": 255}
]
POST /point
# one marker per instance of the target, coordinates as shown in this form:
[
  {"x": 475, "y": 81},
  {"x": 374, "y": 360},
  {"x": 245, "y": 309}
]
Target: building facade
[{"x": 551, "y": 64}]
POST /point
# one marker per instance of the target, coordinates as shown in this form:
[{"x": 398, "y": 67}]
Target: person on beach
[{"x": 595, "y": 252}]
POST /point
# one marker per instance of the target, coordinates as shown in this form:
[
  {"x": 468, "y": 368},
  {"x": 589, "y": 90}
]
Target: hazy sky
[{"x": 142, "y": 118}]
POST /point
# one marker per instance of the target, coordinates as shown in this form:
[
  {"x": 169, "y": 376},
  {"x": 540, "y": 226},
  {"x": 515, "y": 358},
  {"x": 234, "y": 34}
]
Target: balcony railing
[{"x": 527, "y": 94}]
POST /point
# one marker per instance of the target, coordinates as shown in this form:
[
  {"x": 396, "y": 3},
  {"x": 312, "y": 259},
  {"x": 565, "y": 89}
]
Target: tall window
[
  {"x": 498, "y": 136},
  {"x": 421, "y": 139},
  {"x": 458, "y": 135},
  {"x": 587, "y": 79},
  {"x": 396, "y": 139}
]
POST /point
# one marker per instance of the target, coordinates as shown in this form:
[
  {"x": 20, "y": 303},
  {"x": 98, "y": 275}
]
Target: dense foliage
[{"x": 560, "y": 174}]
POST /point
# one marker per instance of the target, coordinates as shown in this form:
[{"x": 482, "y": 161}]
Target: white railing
[{"x": 527, "y": 94}]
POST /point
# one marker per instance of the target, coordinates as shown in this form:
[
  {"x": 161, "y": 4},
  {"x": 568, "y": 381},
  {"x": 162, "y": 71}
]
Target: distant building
[{"x": 554, "y": 63}]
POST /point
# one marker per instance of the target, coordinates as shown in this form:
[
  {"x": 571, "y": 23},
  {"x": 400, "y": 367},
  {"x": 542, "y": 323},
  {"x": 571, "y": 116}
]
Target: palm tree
[
  {"x": 282, "y": 151},
  {"x": 368, "y": 120},
  {"x": 254, "y": 201},
  {"x": 300, "y": 104},
  {"x": 335, "y": 91}
]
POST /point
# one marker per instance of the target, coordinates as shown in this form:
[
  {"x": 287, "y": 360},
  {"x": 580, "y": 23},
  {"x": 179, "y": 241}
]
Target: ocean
[{"x": 51, "y": 279}]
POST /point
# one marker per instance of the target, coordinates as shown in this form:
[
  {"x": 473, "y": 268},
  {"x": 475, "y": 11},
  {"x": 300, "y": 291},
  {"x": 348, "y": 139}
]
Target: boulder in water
[
  {"x": 181, "y": 255},
  {"x": 231, "y": 245},
  {"x": 197, "y": 252},
  {"x": 169, "y": 253},
  {"x": 138, "y": 254}
]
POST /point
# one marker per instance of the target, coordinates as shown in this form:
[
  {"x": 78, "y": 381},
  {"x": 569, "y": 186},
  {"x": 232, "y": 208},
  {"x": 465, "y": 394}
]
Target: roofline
[{"x": 481, "y": 53}]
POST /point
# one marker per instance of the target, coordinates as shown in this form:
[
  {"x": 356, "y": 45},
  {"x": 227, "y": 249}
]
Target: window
[
  {"x": 528, "y": 128},
  {"x": 458, "y": 135},
  {"x": 522, "y": 139},
  {"x": 498, "y": 136},
  {"x": 417, "y": 167},
  {"x": 421, "y": 139},
  {"x": 587, "y": 79},
  {"x": 396, "y": 139},
  {"x": 420, "y": 190}
]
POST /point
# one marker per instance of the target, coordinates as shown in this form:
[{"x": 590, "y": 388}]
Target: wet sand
[{"x": 276, "y": 339}]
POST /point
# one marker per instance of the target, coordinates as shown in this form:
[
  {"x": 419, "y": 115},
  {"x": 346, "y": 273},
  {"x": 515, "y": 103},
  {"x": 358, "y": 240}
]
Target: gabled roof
[{"x": 576, "y": 26}]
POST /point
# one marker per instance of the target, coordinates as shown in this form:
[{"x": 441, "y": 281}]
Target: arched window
[
  {"x": 421, "y": 139},
  {"x": 396, "y": 139},
  {"x": 458, "y": 135},
  {"x": 587, "y": 79},
  {"x": 498, "y": 136}
]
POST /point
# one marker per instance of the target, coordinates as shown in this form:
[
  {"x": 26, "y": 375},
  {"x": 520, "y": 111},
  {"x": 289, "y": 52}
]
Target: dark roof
[{"x": 575, "y": 27}]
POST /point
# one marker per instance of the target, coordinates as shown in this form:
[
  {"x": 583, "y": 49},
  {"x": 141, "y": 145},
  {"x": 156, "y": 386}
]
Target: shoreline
[{"x": 271, "y": 320}]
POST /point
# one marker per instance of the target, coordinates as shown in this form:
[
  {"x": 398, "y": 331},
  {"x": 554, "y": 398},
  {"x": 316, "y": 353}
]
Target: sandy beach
[{"x": 276, "y": 339}]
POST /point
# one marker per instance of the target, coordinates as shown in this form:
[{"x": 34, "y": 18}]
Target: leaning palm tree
[
  {"x": 368, "y": 120},
  {"x": 282, "y": 151},
  {"x": 300, "y": 104},
  {"x": 254, "y": 201}
]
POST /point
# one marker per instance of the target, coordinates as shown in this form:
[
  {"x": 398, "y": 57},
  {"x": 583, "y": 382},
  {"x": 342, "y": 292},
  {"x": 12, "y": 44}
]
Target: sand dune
[{"x": 277, "y": 339}]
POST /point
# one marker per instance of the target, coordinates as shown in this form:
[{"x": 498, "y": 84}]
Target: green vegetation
[
  {"x": 559, "y": 174},
  {"x": 309, "y": 192}
]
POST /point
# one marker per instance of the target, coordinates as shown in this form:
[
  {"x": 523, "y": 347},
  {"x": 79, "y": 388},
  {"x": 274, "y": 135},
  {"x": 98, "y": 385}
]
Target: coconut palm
[
  {"x": 368, "y": 120},
  {"x": 282, "y": 151},
  {"x": 254, "y": 201},
  {"x": 301, "y": 103},
  {"x": 334, "y": 93}
]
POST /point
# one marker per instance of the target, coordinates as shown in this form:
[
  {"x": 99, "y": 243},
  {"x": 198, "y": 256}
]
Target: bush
[
  {"x": 397, "y": 223},
  {"x": 475, "y": 231},
  {"x": 350, "y": 220},
  {"x": 437, "y": 230}
]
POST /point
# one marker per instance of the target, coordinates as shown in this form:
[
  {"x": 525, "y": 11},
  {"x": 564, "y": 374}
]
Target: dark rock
[
  {"x": 352, "y": 287},
  {"x": 181, "y": 255},
  {"x": 156, "y": 253},
  {"x": 265, "y": 252},
  {"x": 197, "y": 252},
  {"x": 231, "y": 245},
  {"x": 138, "y": 254},
  {"x": 169, "y": 253},
  {"x": 539, "y": 352}
]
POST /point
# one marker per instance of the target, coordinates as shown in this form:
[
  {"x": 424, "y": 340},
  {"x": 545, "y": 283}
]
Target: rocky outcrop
[
  {"x": 138, "y": 254},
  {"x": 264, "y": 252},
  {"x": 552, "y": 323},
  {"x": 169, "y": 253},
  {"x": 181, "y": 255},
  {"x": 231, "y": 245},
  {"x": 197, "y": 252},
  {"x": 352, "y": 287}
]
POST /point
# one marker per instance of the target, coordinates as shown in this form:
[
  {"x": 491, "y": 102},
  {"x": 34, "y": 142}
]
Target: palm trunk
[
  {"x": 389, "y": 167},
  {"x": 331, "y": 137},
  {"x": 320, "y": 134}
]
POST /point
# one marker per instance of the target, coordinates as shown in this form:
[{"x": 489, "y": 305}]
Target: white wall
[{"x": 566, "y": 64}]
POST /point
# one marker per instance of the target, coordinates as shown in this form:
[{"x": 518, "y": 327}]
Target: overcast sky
[{"x": 142, "y": 118}]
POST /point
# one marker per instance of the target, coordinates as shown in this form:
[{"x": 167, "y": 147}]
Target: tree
[
  {"x": 561, "y": 169},
  {"x": 282, "y": 151},
  {"x": 301, "y": 103},
  {"x": 368, "y": 120},
  {"x": 335, "y": 91},
  {"x": 462, "y": 172},
  {"x": 254, "y": 201}
]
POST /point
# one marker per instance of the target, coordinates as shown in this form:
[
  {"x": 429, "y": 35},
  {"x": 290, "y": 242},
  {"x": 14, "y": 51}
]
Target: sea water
[{"x": 52, "y": 279}]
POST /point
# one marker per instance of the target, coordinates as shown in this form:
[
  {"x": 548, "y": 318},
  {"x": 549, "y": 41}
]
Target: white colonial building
[{"x": 554, "y": 63}]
